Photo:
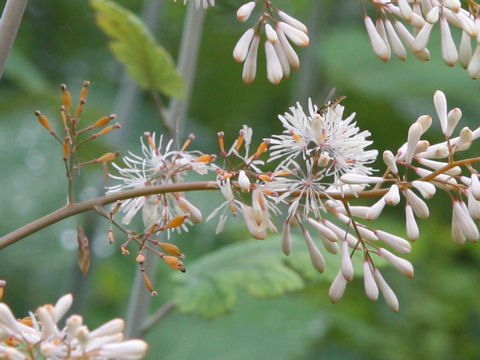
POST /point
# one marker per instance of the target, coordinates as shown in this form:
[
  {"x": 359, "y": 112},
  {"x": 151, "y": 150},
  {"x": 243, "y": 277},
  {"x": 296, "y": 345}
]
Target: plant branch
[
  {"x": 9, "y": 24},
  {"x": 77, "y": 208},
  {"x": 153, "y": 319}
]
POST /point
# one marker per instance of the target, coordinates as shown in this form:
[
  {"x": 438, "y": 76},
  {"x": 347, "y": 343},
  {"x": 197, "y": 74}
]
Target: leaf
[
  {"x": 146, "y": 61},
  {"x": 258, "y": 267}
]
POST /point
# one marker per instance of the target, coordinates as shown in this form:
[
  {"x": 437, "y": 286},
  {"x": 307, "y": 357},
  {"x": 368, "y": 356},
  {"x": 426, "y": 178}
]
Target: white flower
[
  {"x": 40, "y": 334},
  {"x": 280, "y": 55},
  {"x": 158, "y": 165}
]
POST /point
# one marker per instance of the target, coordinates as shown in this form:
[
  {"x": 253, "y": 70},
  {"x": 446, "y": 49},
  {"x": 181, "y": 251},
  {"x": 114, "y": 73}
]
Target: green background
[{"x": 59, "y": 42}]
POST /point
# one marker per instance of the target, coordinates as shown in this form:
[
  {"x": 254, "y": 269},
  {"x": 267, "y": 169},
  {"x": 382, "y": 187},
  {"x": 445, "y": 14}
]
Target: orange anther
[
  {"x": 66, "y": 149},
  {"x": 221, "y": 143},
  {"x": 83, "y": 92},
  {"x": 171, "y": 249},
  {"x": 187, "y": 142},
  {"x": 148, "y": 283},
  {"x": 110, "y": 156},
  {"x": 261, "y": 148},
  {"x": 66, "y": 98},
  {"x": 174, "y": 263},
  {"x": 176, "y": 221},
  {"x": 43, "y": 120},
  {"x": 205, "y": 158}
]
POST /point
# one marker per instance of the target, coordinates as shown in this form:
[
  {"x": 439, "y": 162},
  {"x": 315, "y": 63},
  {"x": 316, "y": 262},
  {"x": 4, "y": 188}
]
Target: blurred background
[{"x": 60, "y": 42}]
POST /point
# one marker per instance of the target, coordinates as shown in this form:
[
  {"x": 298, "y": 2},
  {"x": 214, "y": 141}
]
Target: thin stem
[
  {"x": 139, "y": 303},
  {"x": 187, "y": 61},
  {"x": 9, "y": 24},
  {"x": 77, "y": 208},
  {"x": 155, "y": 318}
]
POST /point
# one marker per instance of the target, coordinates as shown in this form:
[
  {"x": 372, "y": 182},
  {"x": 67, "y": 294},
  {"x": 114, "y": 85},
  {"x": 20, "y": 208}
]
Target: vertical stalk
[
  {"x": 187, "y": 61},
  {"x": 9, "y": 24},
  {"x": 140, "y": 298}
]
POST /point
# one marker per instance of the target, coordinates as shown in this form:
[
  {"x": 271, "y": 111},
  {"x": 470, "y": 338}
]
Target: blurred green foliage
[{"x": 59, "y": 42}]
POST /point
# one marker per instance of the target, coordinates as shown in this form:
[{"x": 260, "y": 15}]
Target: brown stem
[{"x": 77, "y": 208}]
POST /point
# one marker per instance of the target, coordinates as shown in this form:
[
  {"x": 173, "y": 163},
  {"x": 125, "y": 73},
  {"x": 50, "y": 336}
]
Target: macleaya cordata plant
[{"x": 316, "y": 177}]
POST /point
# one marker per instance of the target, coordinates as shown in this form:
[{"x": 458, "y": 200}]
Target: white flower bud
[
  {"x": 395, "y": 42},
  {"x": 250, "y": 65},
  {"x": 433, "y": 15},
  {"x": 351, "y": 178},
  {"x": 258, "y": 231},
  {"x": 324, "y": 231},
  {"x": 402, "y": 265},
  {"x": 475, "y": 186},
  {"x": 244, "y": 12},
  {"x": 449, "y": 49},
  {"x": 425, "y": 121},
  {"x": 440, "y": 102},
  {"x": 414, "y": 133},
  {"x": 337, "y": 289},
  {"x": 243, "y": 181},
  {"x": 378, "y": 44},
  {"x": 469, "y": 228},
  {"x": 286, "y": 239},
  {"x": 426, "y": 189},
  {"x": 241, "y": 48},
  {"x": 392, "y": 197},
  {"x": 389, "y": 160},
  {"x": 290, "y": 54},
  {"x": 371, "y": 289},
  {"x": 464, "y": 140},
  {"x": 396, "y": 242},
  {"x": 474, "y": 64},
  {"x": 274, "y": 68},
  {"x": 405, "y": 10},
  {"x": 347, "y": 265},
  {"x": 436, "y": 165},
  {"x": 292, "y": 21},
  {"x": 473, "y": 206},
  {"x": 342, "y": 234},
  {"x": 298, "y": 37},
  {"x": 411, "y": 224},
  {"x": 271, "y": 34},
  {"x": 316, "y": 256},
  {"x": 421, "y": 40},
  {"x": 387, "y": 292},
  {"x": 62, "y": 306},
  {"x": 465, "y": 50},
  {"x": 331, "y": 247},
  {"x": 282, "y": 57},
  {"x": 419, "y": 206},
  {"x": 366, "y": 234},
  {"x": 402, "y": 31},
  {"x": 195, "y": 215},
  {"x": 375, "y": 210},
  {"x": 129, "y": 349}
]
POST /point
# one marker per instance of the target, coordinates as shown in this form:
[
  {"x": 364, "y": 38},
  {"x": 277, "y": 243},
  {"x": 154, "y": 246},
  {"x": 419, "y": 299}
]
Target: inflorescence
[{"x": 323, "y": 170}]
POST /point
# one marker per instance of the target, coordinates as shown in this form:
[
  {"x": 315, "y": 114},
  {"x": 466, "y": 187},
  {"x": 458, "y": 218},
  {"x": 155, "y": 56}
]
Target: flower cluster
[
  {"x": 323, "y": 170},
  {"x": 279, "y": 28},
  {"x": 389, "y": 36},
  {"x": 158, "y": 166},
  {"x": 39, "y": 337}
]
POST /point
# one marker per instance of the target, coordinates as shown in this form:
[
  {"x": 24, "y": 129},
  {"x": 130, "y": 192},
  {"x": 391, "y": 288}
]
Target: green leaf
[
  {"x": 146, "y": 61},
  {"x": 258, "y": 267}
]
